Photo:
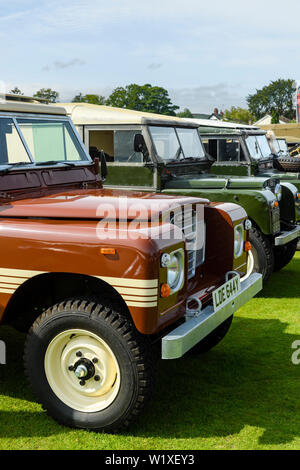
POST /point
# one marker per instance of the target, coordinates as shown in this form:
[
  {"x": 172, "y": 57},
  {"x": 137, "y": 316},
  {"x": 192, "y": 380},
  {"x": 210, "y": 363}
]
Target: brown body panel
[{"x": 53, "y": 245}]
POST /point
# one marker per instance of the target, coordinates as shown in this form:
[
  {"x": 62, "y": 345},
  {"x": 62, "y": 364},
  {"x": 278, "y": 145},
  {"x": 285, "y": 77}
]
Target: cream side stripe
[
  {"x": 142, "y": 292},
  {"x": 6, "y": 291},
  {"x": 6, "y": 282},
  {"x": 136, "y": 292},
  {"x": 19, "y": 272},
  {"x": 140, "y": 299},
  {"x": 141, "y": 304},
  {"x": 115, "y": 281},
  {"x": 13, "y": 280},
  {"x": 130, "y": 301},
  {"x": 9, "y": 285}
]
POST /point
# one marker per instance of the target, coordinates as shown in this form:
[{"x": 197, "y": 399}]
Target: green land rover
[{"x": 152, "y": 152}]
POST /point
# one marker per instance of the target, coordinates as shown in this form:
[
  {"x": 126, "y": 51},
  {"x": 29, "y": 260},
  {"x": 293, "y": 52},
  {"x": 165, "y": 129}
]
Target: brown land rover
[{"x": 97, "y": 277}]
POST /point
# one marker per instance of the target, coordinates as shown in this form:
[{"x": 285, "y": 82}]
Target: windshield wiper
[
  {"x": 177, "y": 154},
  {"x": 193, "y": 159},
  {"x": 10, "y": 166},
  {"x": 54, "y": 162}
]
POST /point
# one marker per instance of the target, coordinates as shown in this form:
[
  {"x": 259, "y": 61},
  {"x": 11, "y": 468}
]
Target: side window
[
  {"x": 12, "y": 149},
  {"x": 212, "y": 148},
  {"x": 124, "y": 147},
  {"x": 102, "y": 140},
  {"x": 118, "y": 146},
  {"x": 205, "y": 144},
  {"x": 242, "y": 155},
  {"x": 228, "y": 150}
]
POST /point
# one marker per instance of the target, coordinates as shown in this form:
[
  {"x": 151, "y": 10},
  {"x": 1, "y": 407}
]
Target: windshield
[
  {"x": 51, "y": 140},
  {"x": 12, "y": 149},
  {"x": 176, "y": 143},
  {"x": 258, "y": 146},
  {"x": 276, "y": 145},
  {"x": 282, "y": 145}
]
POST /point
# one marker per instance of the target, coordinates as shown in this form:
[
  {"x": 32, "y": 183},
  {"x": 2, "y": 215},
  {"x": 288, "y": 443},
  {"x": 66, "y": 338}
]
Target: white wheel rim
[
  {"x": 94, "y": 395},
  {"x": 250, "y": 265}
]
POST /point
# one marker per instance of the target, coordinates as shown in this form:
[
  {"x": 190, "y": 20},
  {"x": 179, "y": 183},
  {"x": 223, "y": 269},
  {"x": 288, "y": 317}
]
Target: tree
[
  {"x": 275, "y": 117},
  {"x": 275, "y": 97},
  {"x": 148, "y": 98},
  {"x": 48, "y": 94},
  {"x": 237, "y": 114},
  {"x": 16, "y": 91},
  {"x": 186, "y": 113},
  {"x": 92, "y": 99}
]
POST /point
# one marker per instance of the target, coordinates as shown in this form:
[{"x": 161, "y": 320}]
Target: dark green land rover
[{"x": 151, "y": 152}]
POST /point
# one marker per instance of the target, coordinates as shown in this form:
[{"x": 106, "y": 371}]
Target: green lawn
[{"x": 244, "y": 394}]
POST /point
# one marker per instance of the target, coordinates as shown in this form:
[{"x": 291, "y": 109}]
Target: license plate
[{"x": 226, "y": 292}]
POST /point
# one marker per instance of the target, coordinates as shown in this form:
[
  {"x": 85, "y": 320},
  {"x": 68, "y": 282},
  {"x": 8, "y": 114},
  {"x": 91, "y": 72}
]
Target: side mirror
[
  {"x": 140, "y": 145},
  {"x": 103, "y": 165},
  {"x": 99, "y": 160}
]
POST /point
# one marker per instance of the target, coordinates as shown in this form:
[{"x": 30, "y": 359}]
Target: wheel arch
[{"x": 44, "y": 290}]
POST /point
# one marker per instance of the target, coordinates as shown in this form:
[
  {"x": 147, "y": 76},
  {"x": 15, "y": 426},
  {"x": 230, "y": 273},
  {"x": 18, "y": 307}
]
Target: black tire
[
  {"x": 135, "y": 371},
  {"x": 213, "y": 338},
  {"x": 284, "y": 254},
  {"x": 262, "y": 252}
]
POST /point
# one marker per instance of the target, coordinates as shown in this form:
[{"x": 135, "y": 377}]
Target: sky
[{"x": 207, "y": 54}]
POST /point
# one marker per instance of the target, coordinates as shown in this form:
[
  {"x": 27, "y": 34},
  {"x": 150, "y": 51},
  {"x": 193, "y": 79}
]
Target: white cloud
[
  {"x": 204, "y": 99},
  {"x": 198, "y": 50},
  {"x": 58, "y": 64}
]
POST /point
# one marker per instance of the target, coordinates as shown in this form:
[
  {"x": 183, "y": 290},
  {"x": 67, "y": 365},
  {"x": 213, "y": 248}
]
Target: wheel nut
[
  {"x": 82, "y": 382},
  {"x": 79, "y": 354},
  {"x": 95, "y": 360},
  {"x": 97, "y": 378}
]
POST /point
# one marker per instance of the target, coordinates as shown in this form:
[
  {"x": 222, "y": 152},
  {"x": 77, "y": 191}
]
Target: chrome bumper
[
  {"x": 181, "y": 339},
  {"x": 287, "y": 237}
]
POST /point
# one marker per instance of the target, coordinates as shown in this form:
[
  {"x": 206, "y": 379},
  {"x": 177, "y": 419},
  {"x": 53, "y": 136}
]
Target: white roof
[
  {"x": 19, "y": 107},
  {"x": 217, "y": 123},
  {"x": 85, "y": 113}
]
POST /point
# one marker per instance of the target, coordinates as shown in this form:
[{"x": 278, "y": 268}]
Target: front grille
[
  {"x": 187, "y": 221},
  {"x": 275, "y": 216}
]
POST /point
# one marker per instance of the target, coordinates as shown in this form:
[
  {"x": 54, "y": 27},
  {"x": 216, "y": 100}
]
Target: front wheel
[
  {"x": 88, "y": 366},
  {"x": 284, "y": 254},
  {"x": 262, "y": 254}
]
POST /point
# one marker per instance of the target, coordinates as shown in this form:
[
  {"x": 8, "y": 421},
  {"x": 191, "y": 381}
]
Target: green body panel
[
  {"x": 289, "y": 210},
  {"x": 252, "y": 201},
  {"x": 194, "y": 178},
  {"x": 205, "y": 180},
  {"x": 242, "y": 170},
  {"x": 129, "y": 176},
  {"x": 245, "y": 191}
]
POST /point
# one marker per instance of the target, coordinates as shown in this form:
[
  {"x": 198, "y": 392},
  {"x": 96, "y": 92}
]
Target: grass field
[{"x": 243, "y": 394}]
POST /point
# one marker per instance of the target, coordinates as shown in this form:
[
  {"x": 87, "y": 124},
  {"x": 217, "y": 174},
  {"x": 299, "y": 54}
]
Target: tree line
[
  {"x": 147, "y": 98},
  {"x": 276, "y": 99}
]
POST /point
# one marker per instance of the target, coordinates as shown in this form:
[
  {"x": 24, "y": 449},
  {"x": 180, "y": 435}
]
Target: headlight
[
  {"x": 175, "y": 270},
  {"x": 248, "y": 224},
  {"x": 238, "y": 240},
  {"x": 278, "y": 191}
]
